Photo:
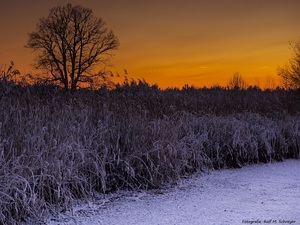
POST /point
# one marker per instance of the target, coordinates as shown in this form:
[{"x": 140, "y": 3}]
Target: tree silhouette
[
  {"x": 237, "y": 82},
  {"x": 70, "y": 42},
  {"x": 291, "y": 71}
]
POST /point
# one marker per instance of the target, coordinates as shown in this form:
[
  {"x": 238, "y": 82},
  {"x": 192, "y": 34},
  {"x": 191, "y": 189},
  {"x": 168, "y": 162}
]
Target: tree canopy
[
  {"x": 70, "y": 42},
  {"x": 237, "y": 82},
  {"x": 291, "y": 71}
]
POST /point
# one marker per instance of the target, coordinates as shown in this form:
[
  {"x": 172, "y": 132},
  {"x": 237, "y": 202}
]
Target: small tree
[
  {"x": 237, "y": 82},
  {"x": 70, "y": 42},
  {"x": 291, "y": 71}
]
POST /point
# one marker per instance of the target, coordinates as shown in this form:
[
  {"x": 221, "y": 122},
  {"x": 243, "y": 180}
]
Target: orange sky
[{"x": 175, "y": 42}]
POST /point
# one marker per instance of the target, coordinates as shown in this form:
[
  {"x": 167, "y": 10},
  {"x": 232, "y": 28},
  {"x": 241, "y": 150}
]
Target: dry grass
[{"x": 56, "y": 148}]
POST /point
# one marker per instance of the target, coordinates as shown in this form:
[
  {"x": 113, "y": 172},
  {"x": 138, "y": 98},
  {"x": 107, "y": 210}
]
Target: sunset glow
[{"x": 172, "y": 43}]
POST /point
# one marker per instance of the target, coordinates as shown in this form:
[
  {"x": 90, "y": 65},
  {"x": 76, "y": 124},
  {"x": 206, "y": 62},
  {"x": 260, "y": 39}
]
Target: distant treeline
[{"x": 157, "y": 102}]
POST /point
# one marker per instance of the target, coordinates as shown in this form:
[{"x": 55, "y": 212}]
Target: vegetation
[
  {"x": 237, "y": 82},
  {"x": 56, "y": 148},
  {"x": 71, "y": 41},
  {"x": 291, "y": 71},
  {"x": 9, "y": 74}
]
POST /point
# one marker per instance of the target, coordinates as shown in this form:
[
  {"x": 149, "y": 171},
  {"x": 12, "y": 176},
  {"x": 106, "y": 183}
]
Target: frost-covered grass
[{"x": 56, "y": 148}]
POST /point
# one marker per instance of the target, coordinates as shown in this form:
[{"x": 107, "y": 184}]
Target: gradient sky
[{"x": 174, "y": 42}]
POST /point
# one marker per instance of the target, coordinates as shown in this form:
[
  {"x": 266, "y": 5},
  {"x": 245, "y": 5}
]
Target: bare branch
[
  {"x": 71, "y": 41},
  {"x": 290, "y": 73}
]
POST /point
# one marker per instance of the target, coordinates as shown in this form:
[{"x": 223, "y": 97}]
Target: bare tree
[
  {"x": 237, "y": 82},
  {"x": 70, "y": 42},
  {"x": 291, "y": 71}
]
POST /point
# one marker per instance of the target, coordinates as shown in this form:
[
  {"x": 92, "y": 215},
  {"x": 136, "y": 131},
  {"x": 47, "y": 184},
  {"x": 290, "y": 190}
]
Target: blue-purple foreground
[{"x": 257, "y": 194}]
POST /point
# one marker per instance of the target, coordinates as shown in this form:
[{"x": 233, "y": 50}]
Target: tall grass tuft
[{"x": 56, "y": 148}]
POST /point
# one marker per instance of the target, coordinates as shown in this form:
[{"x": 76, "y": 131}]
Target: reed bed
[{"x": 57, "y": 148}]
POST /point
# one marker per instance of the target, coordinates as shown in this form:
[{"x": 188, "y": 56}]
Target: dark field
[{"x": 56, "y": 148}]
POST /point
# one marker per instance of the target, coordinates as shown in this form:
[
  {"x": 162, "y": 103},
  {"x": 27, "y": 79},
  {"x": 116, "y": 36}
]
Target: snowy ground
[{"x": 257, "y": 194}]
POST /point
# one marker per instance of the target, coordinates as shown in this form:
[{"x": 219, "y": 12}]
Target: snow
[{"x": 256, "y": 194}]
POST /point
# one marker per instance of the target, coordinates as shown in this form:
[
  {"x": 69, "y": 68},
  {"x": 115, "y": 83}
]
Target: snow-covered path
[{"x": 257, "y": 194}]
